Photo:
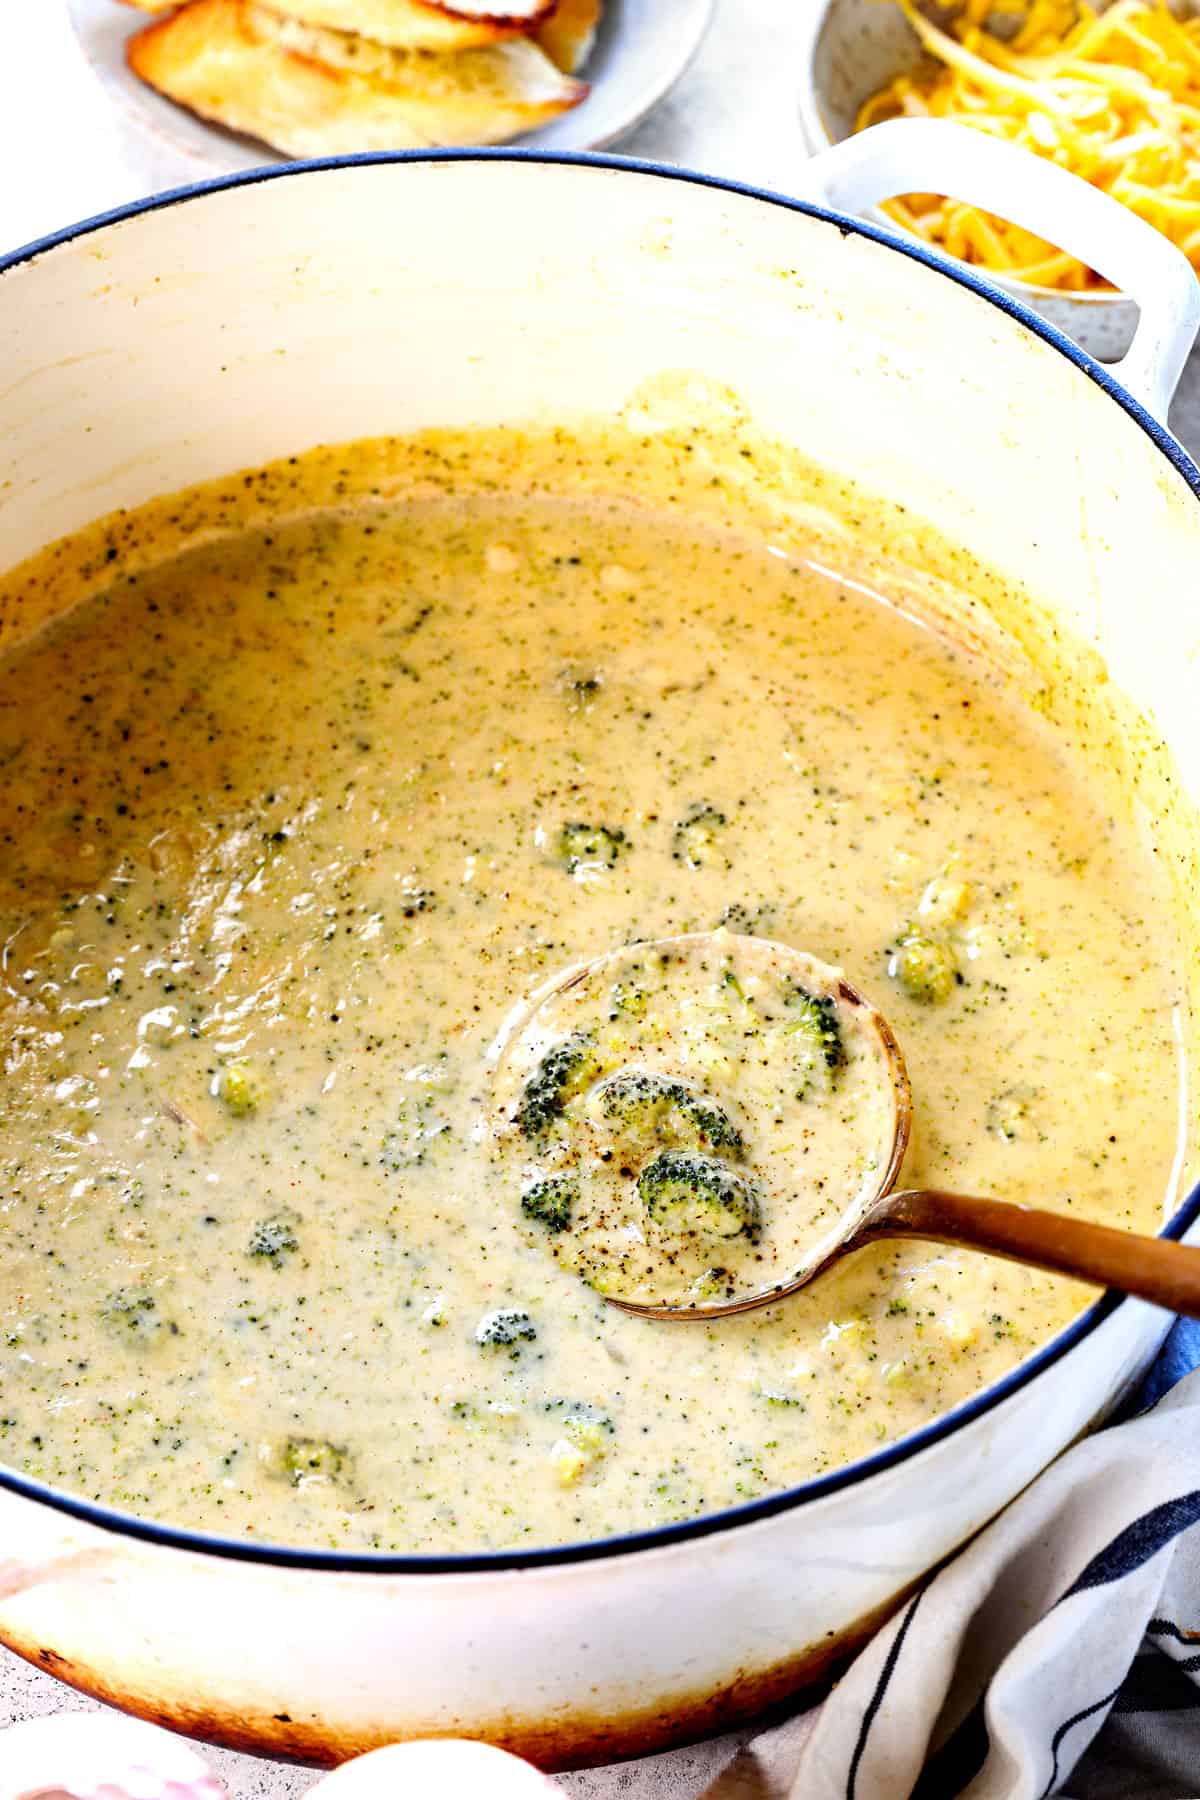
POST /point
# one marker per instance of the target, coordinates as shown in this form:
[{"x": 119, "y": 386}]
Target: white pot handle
[{"x": 934, "y": 156}]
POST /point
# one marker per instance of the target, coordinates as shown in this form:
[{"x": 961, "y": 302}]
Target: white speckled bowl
[{"x": 853, "y": 48}]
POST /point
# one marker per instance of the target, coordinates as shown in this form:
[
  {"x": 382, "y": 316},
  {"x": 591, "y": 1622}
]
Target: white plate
[{"x": 641, "y": 50}]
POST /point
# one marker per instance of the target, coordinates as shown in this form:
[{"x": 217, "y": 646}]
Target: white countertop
[{"x": 733, "y": 114}]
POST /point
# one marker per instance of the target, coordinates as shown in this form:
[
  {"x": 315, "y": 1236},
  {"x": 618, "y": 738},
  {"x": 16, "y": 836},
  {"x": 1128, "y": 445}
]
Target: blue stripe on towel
[
  {"x": 881, "y": 1686},
  {"x": 957, "y": 1761},
  {"x": 1158, "y": 1681},
  {"x": 1068, "y": 1725},
  {"x": 1156, "y": 1684},
  {"x": 1169, "y": 1629},
  {"x": 1178, "y": 1357},
  {"x": 1138, "y": 1543}
]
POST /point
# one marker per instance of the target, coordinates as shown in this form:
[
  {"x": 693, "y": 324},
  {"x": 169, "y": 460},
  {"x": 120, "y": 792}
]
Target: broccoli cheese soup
[{"x": 321, "y": 777}]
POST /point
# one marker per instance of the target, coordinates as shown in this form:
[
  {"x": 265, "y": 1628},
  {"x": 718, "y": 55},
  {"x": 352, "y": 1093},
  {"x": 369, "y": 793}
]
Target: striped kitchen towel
[{"x": 1059, "y": 1653}]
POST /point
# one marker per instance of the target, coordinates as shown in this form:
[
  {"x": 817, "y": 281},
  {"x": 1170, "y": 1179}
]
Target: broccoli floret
[
  {"x": 696, "y": 834},
  {"x": 274, "y": 1238},
  {"x": 585, "y": 1440},
  {"x": 588, "y": 1434},
  {"x": 562, "y": 1073},
  {"x": 691, "y": 1195},
  {"x": 585, "y": 1426},
  {"x": 711, "y": 1128},
  {"x": 507, "y": 1329},
  {"x": 818, "y": 1020},
  {"x": 817, "y": 1031},
  {"x": 306, "y": 1459},
  {"x": 654, "y": 1109},
  {"x": 590, "y": 846},
  {"x": 925, "y": 967},
  {"x": 635, "y": 1097},
  {"x": 551, "y": 1201},
  {"x": 237, "y": 1089},
  {"x": 133, "y": 1313}
]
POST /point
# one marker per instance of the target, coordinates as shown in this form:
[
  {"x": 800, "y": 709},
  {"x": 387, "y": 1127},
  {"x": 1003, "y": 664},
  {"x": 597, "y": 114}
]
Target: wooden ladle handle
[{"x": 1156, "y": 1269}]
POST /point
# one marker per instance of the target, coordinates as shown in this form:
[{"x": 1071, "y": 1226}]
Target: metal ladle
[{"x": 1155, "y": 1269}]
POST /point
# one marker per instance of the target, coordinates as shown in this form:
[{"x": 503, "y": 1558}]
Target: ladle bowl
[{"x": 1155, "y": 1269}]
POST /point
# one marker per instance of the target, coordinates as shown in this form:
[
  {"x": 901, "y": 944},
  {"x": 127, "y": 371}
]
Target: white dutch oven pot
[{"x": 226, "y": 325}]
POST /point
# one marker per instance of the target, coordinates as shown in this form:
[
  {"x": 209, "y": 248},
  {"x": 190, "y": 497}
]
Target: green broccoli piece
[
  {"x": 563, "y": 1072},
  {"x": 925, "y": 967},
  {"x": 585, "y": 1426},
  {"x": 691, "y": 1195},
  {"x": 551, "y": 1201},
  {"x": 587, "y": 1434},
  {"x": 274, "y": 1239},
  {"x": 237, "y": 1089},
  {"x": 590, "y": 846},
  {"x": 133, "y": 1314},
  {"x": 313, "y": 1459},
  {"x": 582, "y": 1420},
  {"x": 655, "y": 1109},
  {"x": 821, "y": 1054},
  {"x": 635, "y": 1097},
  {"x": 507, "y": 1329},
  {"x": 696, "y": 834}
]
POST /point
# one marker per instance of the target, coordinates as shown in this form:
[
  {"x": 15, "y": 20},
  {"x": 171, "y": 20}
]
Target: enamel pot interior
[{"x": 231, "y": 325}]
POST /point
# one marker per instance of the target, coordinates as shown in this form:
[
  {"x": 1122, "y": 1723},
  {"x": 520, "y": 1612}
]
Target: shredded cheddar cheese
[{"x": 1113, "y": 96}]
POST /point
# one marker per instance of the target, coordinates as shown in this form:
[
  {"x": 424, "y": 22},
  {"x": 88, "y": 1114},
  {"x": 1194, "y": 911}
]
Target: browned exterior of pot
[{"x": 583, "y": 1739}]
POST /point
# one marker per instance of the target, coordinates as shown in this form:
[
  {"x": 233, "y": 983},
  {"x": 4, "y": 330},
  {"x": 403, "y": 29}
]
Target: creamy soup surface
[{"x": 292, "y": 821}]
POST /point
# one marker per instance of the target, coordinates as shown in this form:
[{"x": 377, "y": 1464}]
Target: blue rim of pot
[{"x": 659, "y": 1537}]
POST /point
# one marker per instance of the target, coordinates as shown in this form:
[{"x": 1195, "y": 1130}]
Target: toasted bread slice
[
  {"x": 400, "y": 24},
  {"x": 568, "y": 34},
  {"x": 314, "y": 92}
]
